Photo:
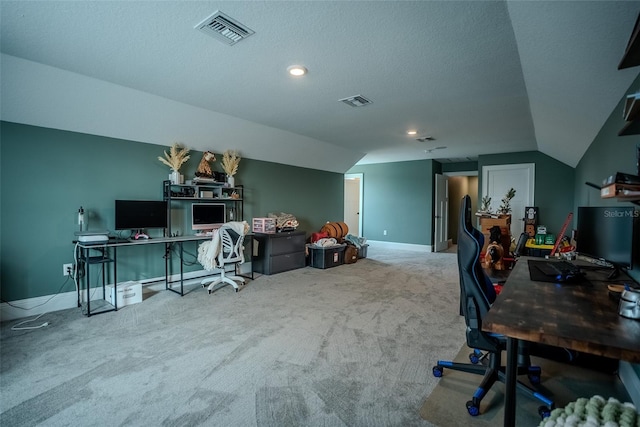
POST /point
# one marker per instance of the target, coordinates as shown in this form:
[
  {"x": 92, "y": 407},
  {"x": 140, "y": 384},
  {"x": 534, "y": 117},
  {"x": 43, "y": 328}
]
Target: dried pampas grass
[
  {"x": 178, "y": 155},
  {"x": 230, "y": 162}
]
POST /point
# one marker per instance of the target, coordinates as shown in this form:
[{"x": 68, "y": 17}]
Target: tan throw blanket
[{"x": 209, "y": 250}]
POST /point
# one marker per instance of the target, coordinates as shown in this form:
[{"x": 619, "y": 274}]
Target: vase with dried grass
[
  {"x": 230, "y": 162},
  {"x": 177, "y": 156}
]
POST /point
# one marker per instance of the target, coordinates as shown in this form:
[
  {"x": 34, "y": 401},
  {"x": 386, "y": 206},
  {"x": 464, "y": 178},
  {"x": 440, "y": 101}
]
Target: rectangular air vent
[
  {"x": 356, "y": 101},
  {"x": 224, "y": 28}
]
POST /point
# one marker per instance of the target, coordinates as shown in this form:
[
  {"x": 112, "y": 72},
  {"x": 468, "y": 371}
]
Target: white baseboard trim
[
  {"x": 63, "y": 301},
  {"x": 38, "y": 305},
  {"x": 406, "y": 246}
]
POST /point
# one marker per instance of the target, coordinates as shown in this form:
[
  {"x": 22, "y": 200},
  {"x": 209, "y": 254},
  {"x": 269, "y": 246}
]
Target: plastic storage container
[
  {"x": 326, "y": 257},
  {"x": 362, "y": 252}
]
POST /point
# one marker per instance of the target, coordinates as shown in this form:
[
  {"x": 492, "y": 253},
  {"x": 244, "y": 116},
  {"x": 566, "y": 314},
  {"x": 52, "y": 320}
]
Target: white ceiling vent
[
  {"x": 425, "y": 139},
  {"x": 224, "y": 28},
  {"x": 356, "y": 101}
]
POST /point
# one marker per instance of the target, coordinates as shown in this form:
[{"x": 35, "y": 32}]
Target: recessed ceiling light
[
  {"x": 412, "y": 132},
  {"x": 297, "y": 70}
]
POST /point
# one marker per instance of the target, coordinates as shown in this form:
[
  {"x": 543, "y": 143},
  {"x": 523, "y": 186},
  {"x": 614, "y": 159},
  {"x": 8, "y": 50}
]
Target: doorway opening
[
  {"x": 460, "y": 184},
  {"x": 353, "y": 186}
]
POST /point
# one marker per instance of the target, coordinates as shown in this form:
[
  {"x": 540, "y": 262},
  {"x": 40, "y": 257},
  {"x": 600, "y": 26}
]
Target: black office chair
[
  {"x": 476, "y": 296},
  {"x": 521, "y": 246}
]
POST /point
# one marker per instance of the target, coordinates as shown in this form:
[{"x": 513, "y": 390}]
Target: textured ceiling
[{"x": 481, "y": 77}]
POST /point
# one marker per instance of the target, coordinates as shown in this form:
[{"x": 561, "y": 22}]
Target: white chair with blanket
[{"x": 224, "y": 248}]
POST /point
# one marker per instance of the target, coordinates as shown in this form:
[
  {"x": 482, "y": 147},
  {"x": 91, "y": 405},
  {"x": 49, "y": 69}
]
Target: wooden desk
[{"x": 577, "y": 317}]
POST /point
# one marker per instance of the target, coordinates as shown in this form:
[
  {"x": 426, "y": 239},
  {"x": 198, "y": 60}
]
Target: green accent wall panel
[
  {"x": 398, "y": 197},
  {"x": 608, "y": 154},
  {"x": 47, "y": 174},
  {"x": 313, "y": 196},
  {"x": 459, "y": 167}
]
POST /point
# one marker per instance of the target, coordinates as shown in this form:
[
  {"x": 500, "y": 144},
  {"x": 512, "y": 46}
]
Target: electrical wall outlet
[
  {"x": 384, "y": 232},
  {"x": 67, "y": 269}
]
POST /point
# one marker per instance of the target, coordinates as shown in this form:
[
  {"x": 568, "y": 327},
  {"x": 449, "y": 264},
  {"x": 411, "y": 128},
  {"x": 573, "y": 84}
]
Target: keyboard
[{"x": 559, "y": 269}]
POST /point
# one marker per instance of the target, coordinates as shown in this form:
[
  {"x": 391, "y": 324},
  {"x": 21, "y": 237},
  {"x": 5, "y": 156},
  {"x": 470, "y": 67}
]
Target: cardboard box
[
  {"x": 264, "y": 225},
  {"x": 128, "y": 293},
  {"x": 504, "y": 222}
]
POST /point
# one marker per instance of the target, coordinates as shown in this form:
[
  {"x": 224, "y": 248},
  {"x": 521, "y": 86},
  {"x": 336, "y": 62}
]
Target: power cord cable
[{"x": 19, "y": 327}]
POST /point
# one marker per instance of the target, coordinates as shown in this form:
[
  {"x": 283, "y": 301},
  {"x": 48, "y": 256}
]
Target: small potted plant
[
  {"x": 177, "y": 156},
  {"x": 505, "y": 203},
  {"x": 485, "y": 207}
]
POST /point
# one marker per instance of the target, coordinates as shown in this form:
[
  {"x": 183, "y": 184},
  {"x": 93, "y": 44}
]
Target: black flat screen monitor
[
  {"x": 140, "y": 214},
  {"x": 608, "y": 233},
  {"x": 207, "y": 216}
]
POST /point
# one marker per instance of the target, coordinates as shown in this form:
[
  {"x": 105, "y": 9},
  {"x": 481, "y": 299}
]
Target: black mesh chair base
[{"x": 491, "y": 376}]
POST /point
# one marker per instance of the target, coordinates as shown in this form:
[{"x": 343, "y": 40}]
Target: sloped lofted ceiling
[{"x": 481, "y": 77}]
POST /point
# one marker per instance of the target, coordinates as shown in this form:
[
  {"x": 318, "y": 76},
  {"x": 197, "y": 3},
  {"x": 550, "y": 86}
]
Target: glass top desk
[{"x": 578, "y": 317}]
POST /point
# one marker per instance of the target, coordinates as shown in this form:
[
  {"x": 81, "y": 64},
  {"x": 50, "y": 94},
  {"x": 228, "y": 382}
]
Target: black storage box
[
  {"x": 326, "y": 257},
  {"x": 536, "y": 252}
]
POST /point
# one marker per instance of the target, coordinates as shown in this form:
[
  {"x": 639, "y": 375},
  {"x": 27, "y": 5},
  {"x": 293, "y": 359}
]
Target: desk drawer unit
[{"x": 280, "y": 252}]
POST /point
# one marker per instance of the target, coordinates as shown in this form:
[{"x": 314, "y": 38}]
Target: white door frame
[{"x": 360, "y": 177}]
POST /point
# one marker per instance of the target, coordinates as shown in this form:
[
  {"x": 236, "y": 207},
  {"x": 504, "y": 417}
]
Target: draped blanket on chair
[{"x": 210, "y": 251}]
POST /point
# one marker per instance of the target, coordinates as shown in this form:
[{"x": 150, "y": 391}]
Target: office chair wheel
[
  {"x": 210, "y": 291},
  {"x": 473, "y": 409},
  {"x": 475, "y": 356},
  {"x": 544, "y": 411},
  {"x": 534, "y": 375},
  {"x": 437, "y": 371}
]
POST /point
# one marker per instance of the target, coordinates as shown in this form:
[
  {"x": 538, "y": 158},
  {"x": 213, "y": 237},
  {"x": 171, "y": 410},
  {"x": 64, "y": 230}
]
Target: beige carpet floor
[{"x": 563, "y": 383}]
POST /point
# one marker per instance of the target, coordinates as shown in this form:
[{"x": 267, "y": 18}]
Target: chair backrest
[
  {"x": 476, "y": 290},
  {"x": 231, "y": 246},
  {"x": 521, "y": 246}
]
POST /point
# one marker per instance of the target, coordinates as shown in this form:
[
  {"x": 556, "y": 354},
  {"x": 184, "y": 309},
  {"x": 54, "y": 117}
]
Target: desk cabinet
[{"x": 279, "y": 252}]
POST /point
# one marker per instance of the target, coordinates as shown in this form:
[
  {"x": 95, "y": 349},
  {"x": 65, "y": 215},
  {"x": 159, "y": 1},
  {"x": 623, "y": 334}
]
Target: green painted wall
[
  {"x": 47, "y": 174},
  {"x": 553, "y": 185},
  {"x": 398, "y": 197},
  {"x": 459, "y": 167},
  {"x": 608, "y": 154}
]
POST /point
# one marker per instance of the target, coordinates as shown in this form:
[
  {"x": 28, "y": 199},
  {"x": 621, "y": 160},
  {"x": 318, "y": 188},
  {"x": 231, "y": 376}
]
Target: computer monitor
[
  {"x": 608, "y": 234},
  {"x": 208, "y": 216},
  {"x": 140, "y": 214}
]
